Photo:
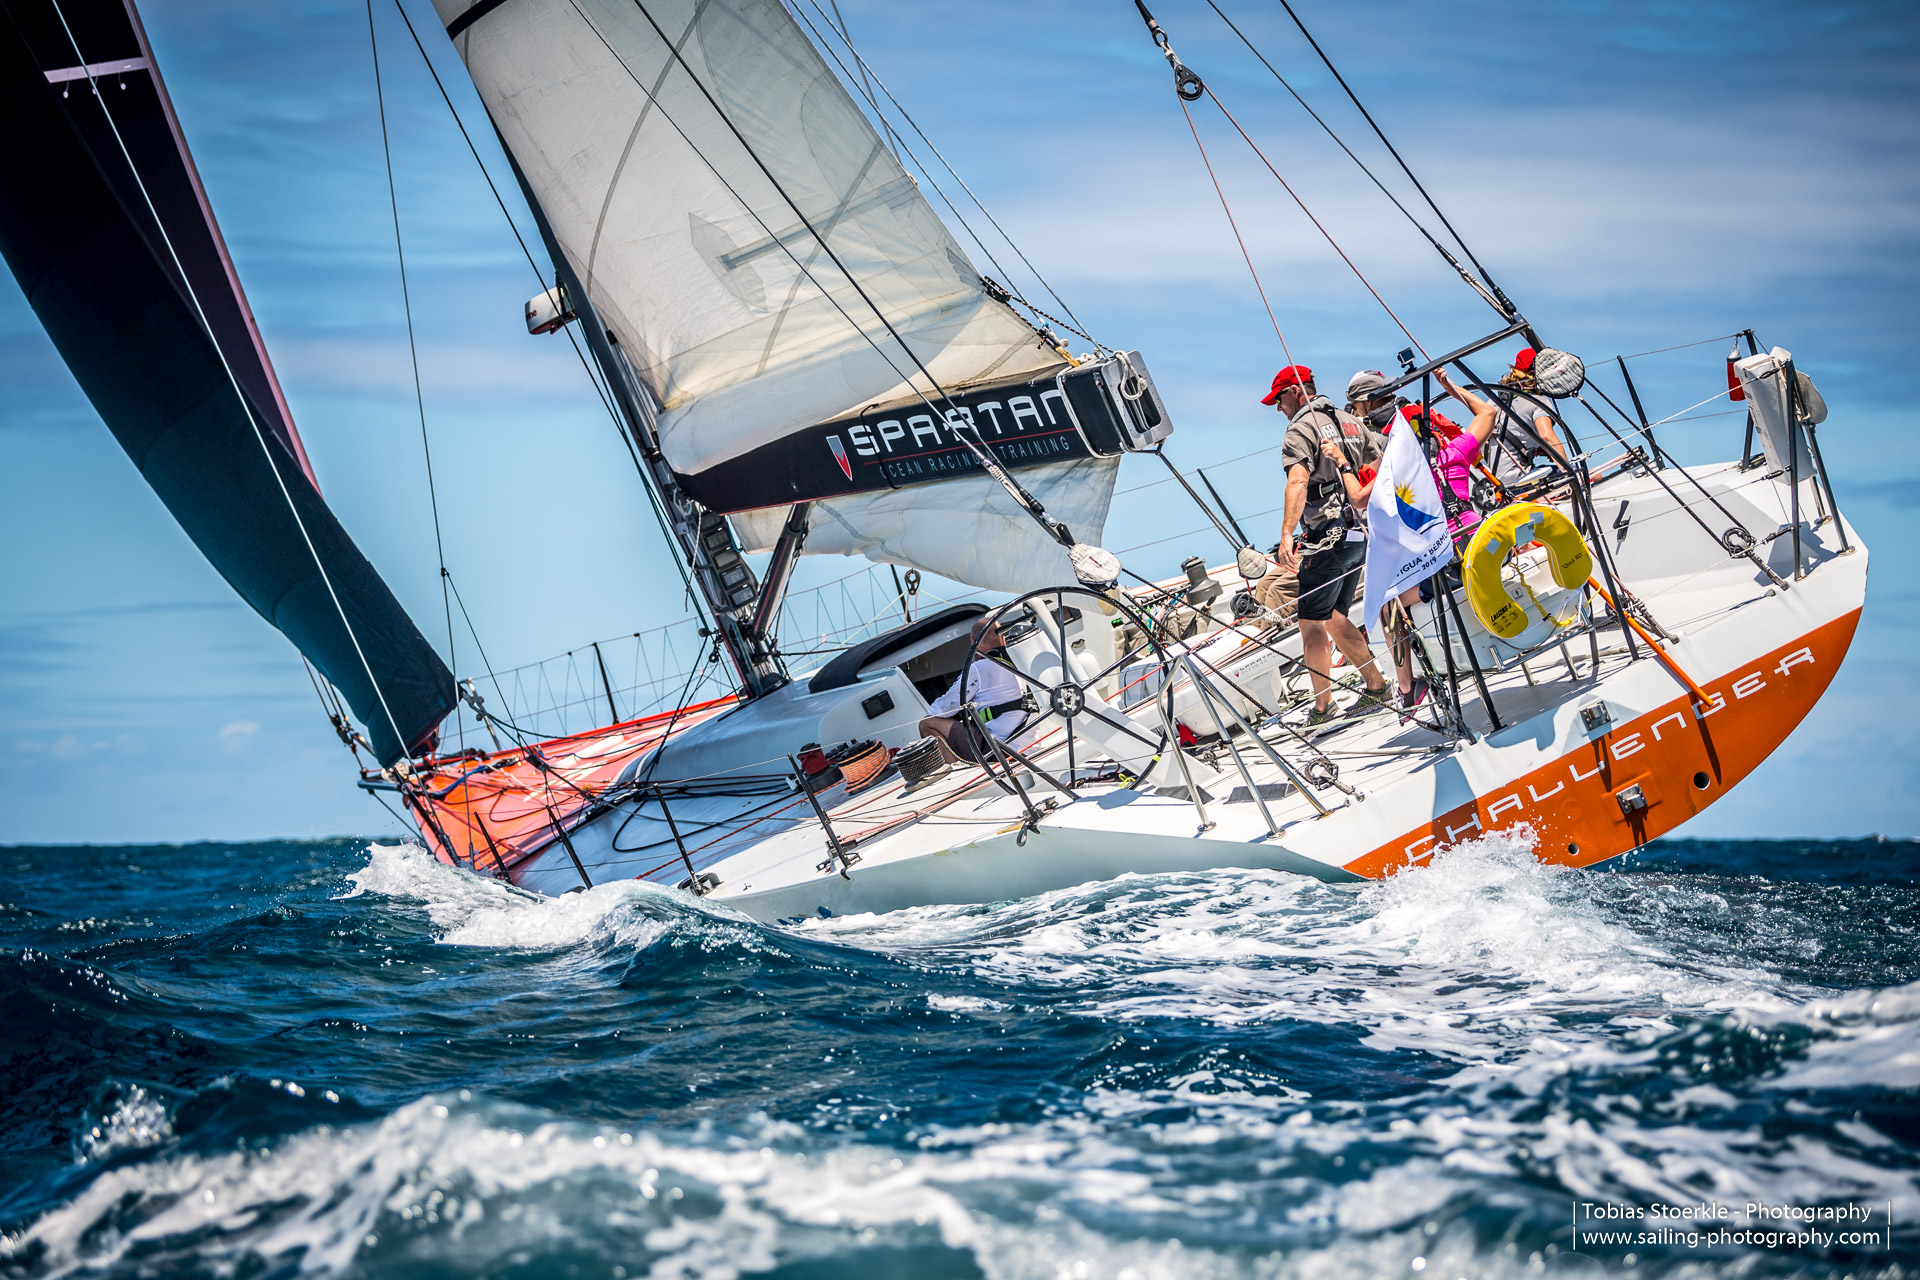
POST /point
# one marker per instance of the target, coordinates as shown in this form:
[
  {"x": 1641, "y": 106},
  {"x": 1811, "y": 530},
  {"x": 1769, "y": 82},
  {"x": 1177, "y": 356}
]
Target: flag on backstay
[{"x": 1407, "y": 540}]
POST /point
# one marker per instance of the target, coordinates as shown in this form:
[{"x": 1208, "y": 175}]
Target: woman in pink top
[
  {"x": 1452, "y": 465},
  {"x": 1459, "y": 450}
]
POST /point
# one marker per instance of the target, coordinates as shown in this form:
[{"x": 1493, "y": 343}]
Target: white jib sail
[{"x": 733, "y": 312}]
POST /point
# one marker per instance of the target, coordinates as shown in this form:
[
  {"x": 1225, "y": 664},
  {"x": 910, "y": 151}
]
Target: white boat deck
[{"x": 964, "y": 837}]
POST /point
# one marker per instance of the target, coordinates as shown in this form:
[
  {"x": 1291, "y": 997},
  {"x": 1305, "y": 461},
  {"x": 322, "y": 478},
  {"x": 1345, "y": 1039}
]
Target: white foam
[
  {"x": 136, "y": 1119},
  {"x": 469, "y": 910}
]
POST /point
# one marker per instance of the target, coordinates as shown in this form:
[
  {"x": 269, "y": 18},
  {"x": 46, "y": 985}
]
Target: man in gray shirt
[{"x": 1331, "y": 548}]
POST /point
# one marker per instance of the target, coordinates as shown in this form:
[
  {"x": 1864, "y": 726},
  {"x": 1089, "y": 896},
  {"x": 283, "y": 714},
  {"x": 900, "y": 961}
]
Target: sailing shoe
[
  {"x": 1321, "y": 717},
  {"x": 1412, "y": 698},
  {"x": 1371, "y": 700}
]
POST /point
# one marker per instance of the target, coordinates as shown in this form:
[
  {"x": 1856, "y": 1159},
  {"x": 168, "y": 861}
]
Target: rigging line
[
  {"x": 989, "y": 461},
  {"x": 246, "y": 406},
  {"x": 1225, "y": 462},
  {"x": 981, "y": 451},
  {"x": 1227, "y": 209},
  {"x": 653, "y": 499},
  {"x": 461, "y": 125},
  {"x": 1471, "y": 280},
  {"x": 978, "y": 204},
  {"x": 413, "y": 353},
  {"x": 1681, "y": 347},
  {"x": 500, "y": 202},
  {"x": 476, "y": 641},
  {"x": 407, "y": 828},
  {"x": 1505, "y": 305},
  {"x": 1214, "y": 94},
  {"x": 918, "y": 163},
  {"x": 866, "y": 84}
]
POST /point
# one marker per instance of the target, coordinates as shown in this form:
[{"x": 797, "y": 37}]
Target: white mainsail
[{"x": 734, "y": 314}]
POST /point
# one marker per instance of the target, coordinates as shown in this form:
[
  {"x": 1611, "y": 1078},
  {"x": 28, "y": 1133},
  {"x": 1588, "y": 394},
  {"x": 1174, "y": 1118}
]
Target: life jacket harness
[
  {"x": 1025, "y": 702},
  {"x": 1337, "y": 511}
]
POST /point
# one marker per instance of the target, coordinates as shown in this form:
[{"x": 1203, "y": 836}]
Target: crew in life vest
[{"x": 1331, "y": 547}]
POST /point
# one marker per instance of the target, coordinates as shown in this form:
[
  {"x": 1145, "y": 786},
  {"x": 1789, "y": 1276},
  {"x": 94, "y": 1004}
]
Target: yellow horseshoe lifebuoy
[{"x": 1503, "y": 610}]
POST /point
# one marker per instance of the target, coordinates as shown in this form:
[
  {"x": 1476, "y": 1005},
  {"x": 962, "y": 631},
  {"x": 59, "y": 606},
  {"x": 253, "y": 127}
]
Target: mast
[{"x": 803, "y": 356}]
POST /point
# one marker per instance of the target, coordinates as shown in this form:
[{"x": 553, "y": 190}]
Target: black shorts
[
  {"x": 968, "y": 741},
  {"x": 1330, "y": 579}
]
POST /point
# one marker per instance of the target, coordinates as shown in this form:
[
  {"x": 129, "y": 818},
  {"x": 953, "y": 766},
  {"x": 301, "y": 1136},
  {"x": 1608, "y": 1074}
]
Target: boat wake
[{"x": 1241, "y": 1073}]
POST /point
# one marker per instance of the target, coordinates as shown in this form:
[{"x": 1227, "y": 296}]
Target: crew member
[
  {"x": 1370, "y": 401},
  {"x": 996, "y": 693},
  {"x": 1451, "y": 453},
  {"x": 1526, "y": 422},
  {"x": 1330, "y": 549}
]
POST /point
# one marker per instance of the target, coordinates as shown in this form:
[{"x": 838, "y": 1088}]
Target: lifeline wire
[
  {"x": 245, "y": 406},
  {"x": 413, "y": 353}
]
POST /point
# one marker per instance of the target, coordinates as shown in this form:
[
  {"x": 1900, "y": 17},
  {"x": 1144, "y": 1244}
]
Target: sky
[{"x": 1636, "y": 175}]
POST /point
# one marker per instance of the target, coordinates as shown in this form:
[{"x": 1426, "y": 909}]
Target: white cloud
[{"x": 238, "y": 733}]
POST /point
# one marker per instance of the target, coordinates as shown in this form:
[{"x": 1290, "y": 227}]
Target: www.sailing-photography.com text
[{"x": 1709, "y": 1224}]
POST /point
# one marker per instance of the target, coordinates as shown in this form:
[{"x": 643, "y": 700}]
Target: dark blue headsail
[{"x": 105, "y": 225}]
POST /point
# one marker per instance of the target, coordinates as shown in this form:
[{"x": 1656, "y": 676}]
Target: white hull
[{"x": 1764, "y": 656}]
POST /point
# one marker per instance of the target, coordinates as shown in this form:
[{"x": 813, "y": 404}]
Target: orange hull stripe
[{"x": 1669, "y": 753}]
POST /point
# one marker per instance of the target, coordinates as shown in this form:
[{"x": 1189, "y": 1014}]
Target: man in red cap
[
  {"x": 1332, "y": 547},
  {"x": 1525, "y": 422}
]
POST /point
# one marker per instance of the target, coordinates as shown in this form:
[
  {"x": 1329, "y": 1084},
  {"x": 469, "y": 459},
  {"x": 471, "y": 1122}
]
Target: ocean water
[{"x": 343, "y": 1058}]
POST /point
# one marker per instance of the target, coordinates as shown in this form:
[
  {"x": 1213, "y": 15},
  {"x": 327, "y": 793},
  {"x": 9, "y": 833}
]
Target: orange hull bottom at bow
[{"x": 1681, "y": 757}]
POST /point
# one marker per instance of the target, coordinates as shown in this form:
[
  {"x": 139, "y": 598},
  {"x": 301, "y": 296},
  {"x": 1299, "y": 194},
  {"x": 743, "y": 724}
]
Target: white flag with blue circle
[{"x": 1407, "y": 540}]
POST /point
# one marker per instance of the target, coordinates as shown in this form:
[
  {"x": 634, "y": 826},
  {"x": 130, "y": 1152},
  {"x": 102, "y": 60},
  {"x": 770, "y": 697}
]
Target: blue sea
[{"x": 342, "y": 1058}]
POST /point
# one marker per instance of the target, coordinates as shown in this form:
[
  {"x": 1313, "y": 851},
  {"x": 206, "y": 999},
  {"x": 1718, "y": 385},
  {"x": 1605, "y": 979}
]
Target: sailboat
[{"x": 805, "y": 361}]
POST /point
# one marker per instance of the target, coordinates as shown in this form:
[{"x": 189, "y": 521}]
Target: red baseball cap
[
  {"x": 1292, "y": 375},
  {"x": 1524, "y": 361}
]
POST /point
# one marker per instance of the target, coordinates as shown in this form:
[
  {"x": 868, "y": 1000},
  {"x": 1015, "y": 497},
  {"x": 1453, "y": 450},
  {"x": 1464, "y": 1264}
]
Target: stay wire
[
  {"x": 1228, "y": 210},
  {"x": 899, "y": 149},
  {"x": 984, "y": 211},
  {"x": 461, "y": 125},
  {"x": 513, "y": 226},
  {"x": 1472, "y": 281},
  {"x": 1501, "y": 299},
  {"x": 989, "y": 461},
  {"x": 246, "y": 406},
  {"x": 413, "y": 353},
  {"x": 987, "y": 457},
  {"x": 1318, "y": 225},
  {"x": 866, "y": 85}
]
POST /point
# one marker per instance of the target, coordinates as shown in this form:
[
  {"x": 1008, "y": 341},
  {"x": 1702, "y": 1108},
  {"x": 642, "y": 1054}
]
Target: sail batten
[{"x": 740, "y": 226}]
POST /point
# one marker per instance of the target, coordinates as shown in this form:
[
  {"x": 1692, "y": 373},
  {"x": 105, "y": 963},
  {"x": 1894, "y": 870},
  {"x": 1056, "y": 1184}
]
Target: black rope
[
  {"x": 1452, "y": 261},
  {"x": 413, "y": 353},
  {"x": 1505, "y": 305},
  {"x": 605, "y": 395},
  {"x": 865, "y": 70},
  {"x": 982, "y": 452}
]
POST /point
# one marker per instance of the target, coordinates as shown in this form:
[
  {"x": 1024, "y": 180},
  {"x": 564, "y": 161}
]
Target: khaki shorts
[{"x": 1279, "y": 594}]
